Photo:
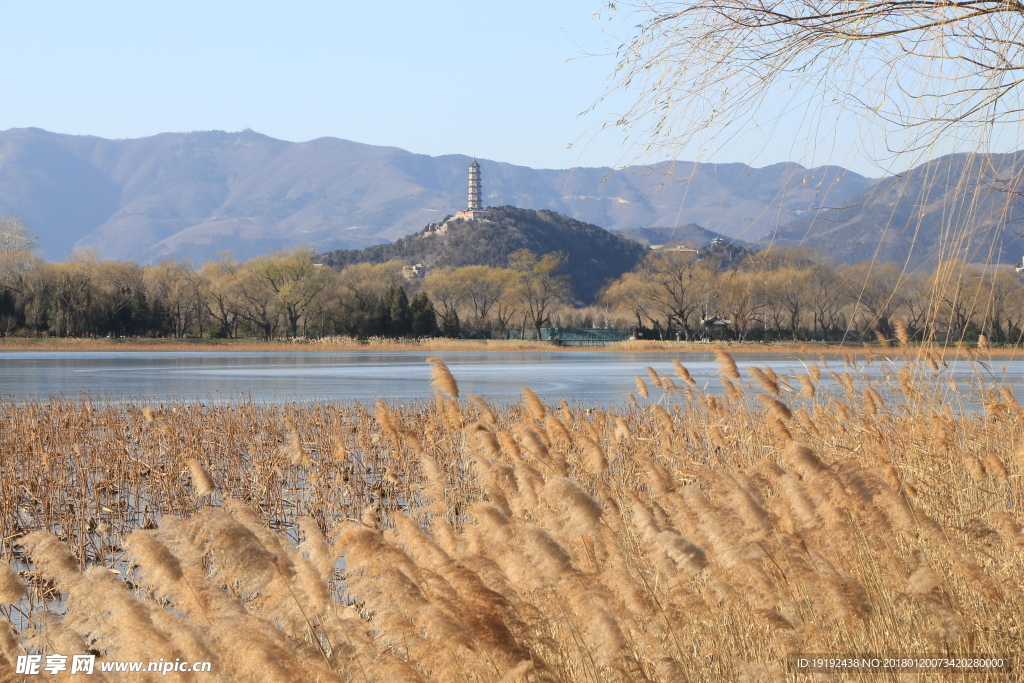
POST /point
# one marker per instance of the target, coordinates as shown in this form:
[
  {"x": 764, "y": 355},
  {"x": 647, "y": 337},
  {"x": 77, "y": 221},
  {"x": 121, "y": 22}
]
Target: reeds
[{"x": 694, "y": 540}]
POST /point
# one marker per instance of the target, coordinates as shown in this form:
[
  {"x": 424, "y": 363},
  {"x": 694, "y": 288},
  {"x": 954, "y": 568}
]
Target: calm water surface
[{"x": 586, "y": 377}]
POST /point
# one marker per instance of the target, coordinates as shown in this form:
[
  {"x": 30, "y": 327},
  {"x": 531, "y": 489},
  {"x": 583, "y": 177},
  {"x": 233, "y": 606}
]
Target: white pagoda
[{"x": 474, "y": 204}]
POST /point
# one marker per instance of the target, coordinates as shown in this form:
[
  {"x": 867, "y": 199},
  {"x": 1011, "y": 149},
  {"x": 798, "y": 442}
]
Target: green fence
[{"x": 575, "y": 335}]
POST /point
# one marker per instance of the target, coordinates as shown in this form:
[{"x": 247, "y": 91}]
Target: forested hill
[{"x": 593, "y": 253}]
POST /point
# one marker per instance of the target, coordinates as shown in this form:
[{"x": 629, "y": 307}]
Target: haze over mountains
[
  {"x": 958, "y": 206},
  {"x": 193, "y": 195}
]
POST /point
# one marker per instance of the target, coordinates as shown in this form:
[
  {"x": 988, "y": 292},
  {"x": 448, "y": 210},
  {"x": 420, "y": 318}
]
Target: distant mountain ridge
[
  {"x": 593, "y": 254},
  {"x": 957, "y": 206},
  {"x": 193, "y": 195}
]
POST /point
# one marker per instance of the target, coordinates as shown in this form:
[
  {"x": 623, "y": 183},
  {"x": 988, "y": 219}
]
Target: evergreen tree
[
  {"x": 378, "y": 323},
  {"x": 424, "y": 319},
  {"x": 143, "y": 318},
  {"x": 399, "y": 315},
  {"x": 10, "y": 316},
  {"x": 450, "y": 326}
]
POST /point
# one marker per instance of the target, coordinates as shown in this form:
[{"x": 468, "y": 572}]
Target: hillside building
[
  {"x": 474, "y": 204},
  {"x": 413, "y": 272}
]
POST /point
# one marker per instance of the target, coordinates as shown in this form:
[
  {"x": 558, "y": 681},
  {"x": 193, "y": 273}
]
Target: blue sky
[{"x": 504, "y": 81}]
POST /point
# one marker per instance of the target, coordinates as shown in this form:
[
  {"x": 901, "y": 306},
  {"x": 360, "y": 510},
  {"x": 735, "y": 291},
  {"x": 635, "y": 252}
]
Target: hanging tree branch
[{"x": 921, "y": 69}]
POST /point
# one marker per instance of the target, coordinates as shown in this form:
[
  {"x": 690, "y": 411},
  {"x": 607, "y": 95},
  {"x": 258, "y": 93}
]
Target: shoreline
[{"x": 54, "y": 344}]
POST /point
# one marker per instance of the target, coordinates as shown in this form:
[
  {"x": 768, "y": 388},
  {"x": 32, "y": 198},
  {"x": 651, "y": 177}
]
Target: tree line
[
  {"x": 777, "y": 294},
  {"x": 795, "y": 294},
  {"x": 283, "y": 294}
]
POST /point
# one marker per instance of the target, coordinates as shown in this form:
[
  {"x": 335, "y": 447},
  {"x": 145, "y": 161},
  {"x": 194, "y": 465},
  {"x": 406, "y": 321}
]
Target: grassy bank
[
  {"x": 335, "y": 344},
  {"x": 318, "y": 346},
  {"x": 697, "y": 538}
]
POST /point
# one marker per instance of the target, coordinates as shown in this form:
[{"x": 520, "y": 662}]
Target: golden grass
[
  {"x": 343, "y": 344},
  {"x": 316, "y": 346},
  {"x": 694, "y": 538}
]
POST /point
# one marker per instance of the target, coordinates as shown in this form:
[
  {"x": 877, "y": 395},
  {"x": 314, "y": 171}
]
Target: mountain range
[
  {"x": 958, "y": 206},
  {"x": 193, "y": 195}
]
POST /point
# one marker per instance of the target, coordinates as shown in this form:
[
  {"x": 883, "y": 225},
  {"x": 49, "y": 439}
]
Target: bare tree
[
  {"x": 918, "y": 78},
  {"x": 15, "y": 236},
  {"x": 484, "y": 287},
  {"x": 957, "y": 292},
  {"x": 1000, "y": 304},
  {"x": 875, "y": 293},
  {"x": 218, "y": 279},
  {"x": 740, "y": 300},
  {"x": 172, "y": 285},
  {"x": 787, "y": 294},
  {"x": 631, "y": 294},
  {"x": 294, "y": 277},
  {"x": 915, "y": 308},
  {"x": 352, "y": 299},
  {"x": 539, "y": 288},
  {"x": 70, "y": 295},
  {"x": 16, "y": 246},
  {"x": 922, "y": 70},
  {"x": 448, "y": 293},
  {"x": 824, "y": 298},
  {"x": 680, "y": 290}
]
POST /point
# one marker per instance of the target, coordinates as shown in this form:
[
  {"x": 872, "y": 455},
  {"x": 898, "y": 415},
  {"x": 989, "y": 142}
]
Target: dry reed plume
[{"x": 699, "y": 538}]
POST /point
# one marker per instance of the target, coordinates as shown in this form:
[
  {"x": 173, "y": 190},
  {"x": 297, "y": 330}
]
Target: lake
[{"x": 583, "y": 377}]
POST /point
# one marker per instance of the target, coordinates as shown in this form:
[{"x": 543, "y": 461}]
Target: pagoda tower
[
  {"x": 474, "y": 205},
  {"x": 474, "y": 187}
]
